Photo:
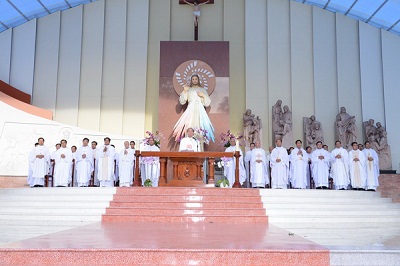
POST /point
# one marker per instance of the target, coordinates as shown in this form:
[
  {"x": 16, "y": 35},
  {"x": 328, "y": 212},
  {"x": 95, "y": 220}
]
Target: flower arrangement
[
  {"x": 157, "y": 138},
  {"x": 226, "y": 161},
  {"x": 225, "y": 137},
  {"x": 148, "y": 183}
]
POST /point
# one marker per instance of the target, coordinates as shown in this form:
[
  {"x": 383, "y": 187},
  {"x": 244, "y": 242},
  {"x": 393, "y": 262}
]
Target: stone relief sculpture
[
  {"x": 282, "y": 124},
  {"x": 377, "y": 136},
  {"x": 252, "y": 126},
  {"x": 312, "y": 131},
  {"x": 346, "y": 129}
]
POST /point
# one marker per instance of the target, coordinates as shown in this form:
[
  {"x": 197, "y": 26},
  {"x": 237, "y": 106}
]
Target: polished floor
[{"x": 186, "y": 243}]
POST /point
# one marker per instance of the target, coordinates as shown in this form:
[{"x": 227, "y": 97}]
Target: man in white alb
[
  {"x": 84, "y": 164},
  {"x": 320, "y": 166},
  {"x": 229, "y": 168},
  {"x": 340, "y": 166},
  {"x": 372, "y": 165},
  {"x": 279, "y": 166},
  {"x": 189, "y": 143},
  {"x": 247, "y": 159},
  {"x": 95, "y": 164},
  {"x": 299, "y": 165},
  {"x": 357, "y": 165},
  {"x": 39, "y": 161},
  {"x": 259, "y": 167},
  {"x": 126, "y": 159},
  {"x": 150, "y": 166},
  {"x": 105, "y": 159},
  {"x": 62, "y": 166}
]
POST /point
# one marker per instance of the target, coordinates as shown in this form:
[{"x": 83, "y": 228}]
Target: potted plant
[
  {"x": 223, "y": 183},
  {"x": 148, "y": 183}
]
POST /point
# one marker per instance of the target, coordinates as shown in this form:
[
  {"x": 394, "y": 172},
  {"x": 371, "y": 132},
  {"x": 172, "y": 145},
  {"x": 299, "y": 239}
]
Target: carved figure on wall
[
  {"x": 346, "y": 129},
  {"x": 252, "y": 127},
  {"x": 282, "y": 124},
  {"x": 313, "y": 132},
  {"x": 377, "y": 136}
]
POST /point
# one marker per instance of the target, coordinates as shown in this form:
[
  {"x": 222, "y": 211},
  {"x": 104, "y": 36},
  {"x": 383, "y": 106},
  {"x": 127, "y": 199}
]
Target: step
[
  {"x": 56, "y": 198},
  {"x": 58, "y": 190},
  {"x": 185, "y": 191},
  {"x": 53, "y": 211},
  {"x": 329, "y": 206},
  {"x": 329, "y": 219},
  {"x": 287, "y": 225},
  {"x": 49, "y": 217},
  {"x": 311, "y": 200},
  {"x": 175, "y": 219},
  {"x": 332, "y": 213},
  {"x": 316, "y": 193},
  {"x": 180, "y": 204},
  {"x": 52, "y": 204},
  {"x": 183, "y": 212},
  {"x": 165, "y": 198}
]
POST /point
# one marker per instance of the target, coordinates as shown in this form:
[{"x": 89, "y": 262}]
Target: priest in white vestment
[
  {"x": 230, "y": 164},
  {"x": 189, "y": 143},
  {"x": 247, "y": 159},
  {"x": 279, "y": 166},
  {"x": 150, "y": 166},
  {"x": 126, "y": 165},
  {"x": 84, "y": 164},
  {"x": 372, "y": 164},
  {"x": 340, "y": 167},
  {"x": 95, "y": 164},
  {"x": 105, "y": 159},
  {"x": 39, "y": 162},
  {"x": 309, "y": 165},
  {"x": 357, "y": 167},
  {"x": 299, "y": 164},
  {"x": 259, "y": 166},
  {"x": 320, "y": 166},
  {"x": 62, "y": 167}
]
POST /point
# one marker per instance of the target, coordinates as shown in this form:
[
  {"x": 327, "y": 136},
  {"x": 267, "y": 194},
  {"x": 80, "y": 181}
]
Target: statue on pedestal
[
  {"x": 346, "y": 129},
  {"x": 377, "y": 136},
  {"x": 282, "y": 124},
  {"x": 313, "y": 131}
]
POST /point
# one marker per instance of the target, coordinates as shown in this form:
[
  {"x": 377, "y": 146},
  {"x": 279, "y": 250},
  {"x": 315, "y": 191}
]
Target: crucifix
[{"x": 196, "y": 13}]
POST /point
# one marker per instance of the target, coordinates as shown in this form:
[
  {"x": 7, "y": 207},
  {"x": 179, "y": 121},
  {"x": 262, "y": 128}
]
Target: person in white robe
[
  {"x": 84, "y": 164},
  {"x": 357, "y": 167},
  {"x": 230, "y": 164},
  {"x": 95, "y": 150},
  {"x": 247, "y": 159},
  {"x": 52, "y": 158},
  {"x": 299, "y": 164},
  {"x": 105, "y": 159},
  {"x": 279, "y": 166},
  {"x": 62, "y": 166},
  {"x": 39, "y": 162},
  {"x": 150, "y": 166},
  {"x": 125, "y": 165},
  {"x": 320, "y": 167},
  {"x": 372, "y": 165},
  {"x": 340, "y": 167},
  {"x": 259, "y": 167},
  {"x": 189, "y": 143}
]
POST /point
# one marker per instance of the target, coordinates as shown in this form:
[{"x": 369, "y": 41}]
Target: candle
[{"x": 237, "y": 145}]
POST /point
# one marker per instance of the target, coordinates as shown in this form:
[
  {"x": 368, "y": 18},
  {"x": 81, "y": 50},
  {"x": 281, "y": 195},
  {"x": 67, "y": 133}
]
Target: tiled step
[
  {"x": 332, "y": 213},
  {"x": 329, "y": 206},
  {"x": 321, "y": 200},
  {"x": 185, "y": 191},
  {"x": 51, "y": 217},
  {"x": 183, "y": 198},
  {"x": 55, "y": 198},
  {"x": 181, "y": 218},
  {"x": 329, "y": 219},
  {"x": 181, "y": 204},
  {"x": 183, "y": 212},
  {"x": 51, "y": 203},
  {"x": 83, "y": 210}
]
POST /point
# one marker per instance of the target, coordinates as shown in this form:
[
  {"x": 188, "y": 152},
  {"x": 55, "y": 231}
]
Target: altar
[{"x": 187, "y": 167}]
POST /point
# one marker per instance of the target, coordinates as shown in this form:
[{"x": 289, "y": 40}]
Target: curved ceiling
[{"x": 383, "y": 14}]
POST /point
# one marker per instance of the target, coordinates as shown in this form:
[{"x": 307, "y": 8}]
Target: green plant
[
  {"x": 224, "y": 181},
  {"x": 148, "y": 183}
]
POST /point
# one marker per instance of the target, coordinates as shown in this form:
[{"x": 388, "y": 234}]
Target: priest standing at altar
[
  {"x": 150, "y": 165},
  {"x": 39, "y": 162},
  {"x": 189, "y": 143},
  {"x": 126, "y": 165},
  {"x": 230, "y": 165},
  {"x": 105, "y": 159},
  {"x": 84, "y": 164},
  {"x": 259, "y": 167}
]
